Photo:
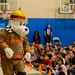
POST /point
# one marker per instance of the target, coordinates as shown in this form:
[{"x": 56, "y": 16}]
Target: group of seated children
[{"x": 50, "y": 57}]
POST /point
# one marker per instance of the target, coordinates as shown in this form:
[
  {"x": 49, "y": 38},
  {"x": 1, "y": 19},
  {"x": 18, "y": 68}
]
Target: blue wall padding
[
  {"x": 61, "y": 27},
  {"x": 3, "y": 23}
]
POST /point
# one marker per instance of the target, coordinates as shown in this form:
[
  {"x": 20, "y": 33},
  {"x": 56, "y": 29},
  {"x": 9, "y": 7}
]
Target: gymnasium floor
[{"x": 28, "y": 71}]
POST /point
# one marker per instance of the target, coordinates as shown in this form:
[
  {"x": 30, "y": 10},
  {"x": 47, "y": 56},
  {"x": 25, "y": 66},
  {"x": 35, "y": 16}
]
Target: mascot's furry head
[{"x": 17, "y": 23}]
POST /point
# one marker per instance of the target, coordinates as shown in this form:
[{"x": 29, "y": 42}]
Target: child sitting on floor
[{"x": 60, "y": 68}]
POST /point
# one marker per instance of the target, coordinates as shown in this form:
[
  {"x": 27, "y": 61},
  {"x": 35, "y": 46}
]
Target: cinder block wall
[{"x": 42, "y": 9}]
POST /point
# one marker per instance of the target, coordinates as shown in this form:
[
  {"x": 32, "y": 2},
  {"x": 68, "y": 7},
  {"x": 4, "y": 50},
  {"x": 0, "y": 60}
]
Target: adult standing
[{"x": 48, "y": 34}]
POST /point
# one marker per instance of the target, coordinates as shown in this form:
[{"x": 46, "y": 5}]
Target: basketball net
[
  {"x": 4, "y": 14},
  {"x": 73, "y": 11}
]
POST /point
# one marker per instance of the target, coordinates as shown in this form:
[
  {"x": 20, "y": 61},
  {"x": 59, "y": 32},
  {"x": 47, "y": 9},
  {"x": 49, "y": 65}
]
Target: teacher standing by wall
[{"x": 48, "y": 34}]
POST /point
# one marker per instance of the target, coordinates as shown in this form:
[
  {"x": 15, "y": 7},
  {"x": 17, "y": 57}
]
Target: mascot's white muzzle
[
  {"x": 19, "y": 27},
  {"x": 21, "y": 30}
]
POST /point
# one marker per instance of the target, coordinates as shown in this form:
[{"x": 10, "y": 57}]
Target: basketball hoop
[
  {"x": 73, "y": 11},
  {"x": 4, "y": 14}
]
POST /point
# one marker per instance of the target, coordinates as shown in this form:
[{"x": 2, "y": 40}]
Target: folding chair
[{"x": 56, "y": 40}]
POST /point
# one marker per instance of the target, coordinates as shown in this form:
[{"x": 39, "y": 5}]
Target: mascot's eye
[
  {"x": 24, "y": 24},
  {"x": 20, "y": 24}
]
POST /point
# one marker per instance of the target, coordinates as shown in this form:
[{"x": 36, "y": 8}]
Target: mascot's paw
[{"x": 9, "y": 53}]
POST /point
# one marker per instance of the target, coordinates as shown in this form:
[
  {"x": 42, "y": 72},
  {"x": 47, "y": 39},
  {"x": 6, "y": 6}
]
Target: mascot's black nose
[{"x": 26, "y": 29}]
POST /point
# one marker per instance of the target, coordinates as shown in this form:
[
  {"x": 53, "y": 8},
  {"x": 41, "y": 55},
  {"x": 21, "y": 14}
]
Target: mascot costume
[{"x": 13, "y": 42}]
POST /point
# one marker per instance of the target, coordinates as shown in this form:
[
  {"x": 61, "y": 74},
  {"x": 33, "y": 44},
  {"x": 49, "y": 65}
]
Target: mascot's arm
[
  {"x": 9, "y": 53},
  {"x": 26, "y": 44}
]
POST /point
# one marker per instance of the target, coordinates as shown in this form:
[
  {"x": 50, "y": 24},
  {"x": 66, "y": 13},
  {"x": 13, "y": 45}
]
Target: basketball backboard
[
  {"x": 9, "y": 5},
  {"x": 66, "y": 6}
]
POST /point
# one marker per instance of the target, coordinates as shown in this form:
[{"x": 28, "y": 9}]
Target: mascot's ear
[{"x": 10, "y": 23}]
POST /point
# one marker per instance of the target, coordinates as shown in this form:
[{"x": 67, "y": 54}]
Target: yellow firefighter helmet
[{"x": 17, "y": 15}]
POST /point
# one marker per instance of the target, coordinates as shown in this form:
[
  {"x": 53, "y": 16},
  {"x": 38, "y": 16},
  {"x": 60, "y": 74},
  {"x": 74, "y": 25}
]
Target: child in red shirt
[{"x": 47, "y": 63}]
